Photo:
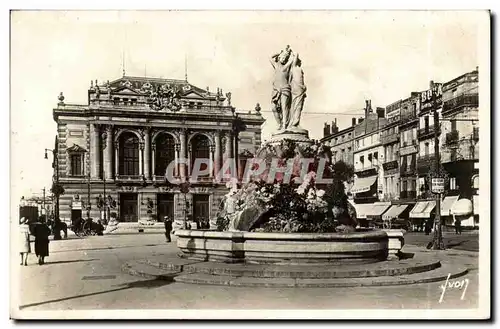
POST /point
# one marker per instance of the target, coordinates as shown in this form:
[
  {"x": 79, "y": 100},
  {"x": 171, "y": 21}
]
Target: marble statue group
[{"x": 289, "y": 90}]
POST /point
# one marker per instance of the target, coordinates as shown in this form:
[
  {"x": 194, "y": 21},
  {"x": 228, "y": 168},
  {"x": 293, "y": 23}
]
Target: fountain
[{"x": 289, "y": 219}]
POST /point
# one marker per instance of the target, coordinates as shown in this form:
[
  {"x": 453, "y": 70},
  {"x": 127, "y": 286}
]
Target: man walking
[{"x": 168, "y": 228}]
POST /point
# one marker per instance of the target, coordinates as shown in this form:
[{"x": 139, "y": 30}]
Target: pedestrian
[
  {"x": 24, "y": 240},
  {"x": 458, "y": 226},
  {"x": 168, "y": 228},
  {"x": 428, "y": 226},
  {"x": 41, "y": 232}
]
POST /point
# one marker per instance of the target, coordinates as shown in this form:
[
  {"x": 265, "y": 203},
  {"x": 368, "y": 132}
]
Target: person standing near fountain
[
  {"x": 298, "y": 89},
  {"x": 280, "y": 100}
]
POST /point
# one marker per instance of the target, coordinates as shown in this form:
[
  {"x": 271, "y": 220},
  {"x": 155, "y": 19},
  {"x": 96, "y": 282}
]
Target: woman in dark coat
[
  {"x": 41, "y": 232},
  {"x": 168, "y": 228}
]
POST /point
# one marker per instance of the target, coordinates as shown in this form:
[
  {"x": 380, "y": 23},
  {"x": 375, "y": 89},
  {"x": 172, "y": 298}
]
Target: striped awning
[
  {"x": 423, "y": 209},
  {"x": 363, "y": 184},
  {"x": 475, "y": 204},
  {"x": 394, "y": 211},
  {"x": 361, "y": 208},
  {"x": 447, "y": 204},
  {"x": 370, "y": 210},
  {"x": 377, "y": 209}
]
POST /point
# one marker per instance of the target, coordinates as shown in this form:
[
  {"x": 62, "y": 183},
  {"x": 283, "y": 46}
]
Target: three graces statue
[{"x": 289, "y": 90}]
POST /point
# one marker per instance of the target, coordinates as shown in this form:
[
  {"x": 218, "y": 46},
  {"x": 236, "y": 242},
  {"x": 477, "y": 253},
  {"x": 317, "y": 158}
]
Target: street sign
[{"x": 437, "y": 185}]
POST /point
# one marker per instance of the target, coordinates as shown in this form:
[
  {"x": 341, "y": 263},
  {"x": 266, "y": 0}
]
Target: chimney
[
  {"x": 326, "y": 130},
  {"x": 353, "y": 122},
  {"x": 380, "y": 112},
  {"x": 431, "y": 84}
]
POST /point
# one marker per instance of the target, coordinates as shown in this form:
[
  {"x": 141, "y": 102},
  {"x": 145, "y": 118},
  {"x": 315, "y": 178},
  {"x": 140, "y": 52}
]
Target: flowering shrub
[{"x": 302, "y": 204}]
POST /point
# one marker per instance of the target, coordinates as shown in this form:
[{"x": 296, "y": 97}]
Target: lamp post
[
  {"x": 56, "y": 190},
  {"x": 184, "y": 186},
  {"x": 437, "y": 240},
  {"x": 89, "y": 205}
]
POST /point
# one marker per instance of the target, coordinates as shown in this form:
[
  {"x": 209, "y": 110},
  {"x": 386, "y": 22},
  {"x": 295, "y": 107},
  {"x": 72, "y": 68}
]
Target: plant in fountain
[{"x": 300, "y": 202}]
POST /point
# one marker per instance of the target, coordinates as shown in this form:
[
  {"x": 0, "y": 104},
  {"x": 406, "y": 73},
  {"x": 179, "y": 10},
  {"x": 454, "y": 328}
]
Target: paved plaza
[{"x": 86, "y": 274}]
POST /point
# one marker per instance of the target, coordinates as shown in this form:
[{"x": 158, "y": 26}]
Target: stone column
[
  {"x": 108, "y": 154},
  {"x": 147, "y": 153},
  {"x": 95, "y": 154},
  {"x": 211, "y": 163},
  {"x": 189, "y": 157},
  {"x": 141, "y": 158},
  {"x": 218, "y": 155},
  {"x": 182, "y": 154},
  {"x": 229, "y": 145},
  {"x": 117, "y": 145},
  {"x": 153, "y": 160},
  {"x": 176, "y": 168}
]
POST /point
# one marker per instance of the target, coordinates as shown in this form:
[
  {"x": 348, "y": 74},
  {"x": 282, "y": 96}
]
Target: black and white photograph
[{"x": 258, "y": 164}]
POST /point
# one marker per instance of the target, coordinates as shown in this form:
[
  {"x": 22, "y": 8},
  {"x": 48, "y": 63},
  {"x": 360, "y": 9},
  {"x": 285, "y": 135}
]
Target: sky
[{"x": 347, "y": 57}]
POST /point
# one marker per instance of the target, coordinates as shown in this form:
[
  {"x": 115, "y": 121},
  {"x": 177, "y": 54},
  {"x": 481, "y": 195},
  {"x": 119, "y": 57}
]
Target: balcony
[
  {"x": 464, "y": 149},
  {"x": 387, "y": 139},
  {"x": 459, "y": 101},
  {"x": 427, "y": 132},
  {"x": 408, "y": 117},
  {"x": 389, "y": 165},
  {"x": 408, "y": 195},
  {"x": 426, "y": 162}
]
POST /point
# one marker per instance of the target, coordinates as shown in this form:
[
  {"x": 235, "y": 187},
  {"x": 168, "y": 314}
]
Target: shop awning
[
  {"x": 475, "y": 204},
  {"x": 377, "y": 209},
  {"x": 394, "y": 211},
  {"x": 361, "y": 208},
  {"x": 462, "y": 207},
  {"x": 423, "y": 209},
  {"x": 363, "y": 184},
  {"x": 447, "y": 204}
]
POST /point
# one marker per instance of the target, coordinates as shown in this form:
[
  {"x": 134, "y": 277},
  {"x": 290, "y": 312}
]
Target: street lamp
[
  {"x": 437, "y": 176},
  {"x": 56, "y": 190}
]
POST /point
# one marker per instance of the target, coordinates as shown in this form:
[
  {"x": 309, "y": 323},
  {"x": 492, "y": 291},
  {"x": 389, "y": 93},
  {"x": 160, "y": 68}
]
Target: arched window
[
  {"x": 129, "y": 155},
  {"x": 164, "y": 154},
  {"x": 200, "y": 146}
]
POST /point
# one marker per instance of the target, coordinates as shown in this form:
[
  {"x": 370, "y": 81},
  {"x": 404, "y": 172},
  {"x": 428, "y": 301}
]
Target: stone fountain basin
[{"x": 283, "y": 248}]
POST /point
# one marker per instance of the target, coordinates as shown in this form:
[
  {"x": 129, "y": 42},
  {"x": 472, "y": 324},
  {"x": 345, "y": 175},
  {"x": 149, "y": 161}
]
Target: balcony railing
[
  {"x": 452, "y": 137},
  {"x": 463, "y": 149},
  {"x": 462, "y": 100},
  {"x": 386, "y": 139},
  {"x": 407, "y": 117},
  {"x": 426, "y": 132},
  {"x": 129, "y": 177},
  {"x": 425, "y": 161}
]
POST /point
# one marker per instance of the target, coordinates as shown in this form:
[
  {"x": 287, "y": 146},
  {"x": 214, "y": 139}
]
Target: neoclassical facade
[{"x": 120, "y": 144}]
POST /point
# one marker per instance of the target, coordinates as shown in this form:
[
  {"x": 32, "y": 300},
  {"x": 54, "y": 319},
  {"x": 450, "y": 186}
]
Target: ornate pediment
[
  {"x": 164, "y": 96},
  {"x": 76, "y": 149}
]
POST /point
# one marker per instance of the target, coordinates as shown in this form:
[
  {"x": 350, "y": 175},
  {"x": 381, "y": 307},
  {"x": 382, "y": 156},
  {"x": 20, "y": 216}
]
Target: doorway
[
  {"x": 201, "y": 208},
  {"x": 128, "y": 207},
  {"x": 76, "y": 215},
  {"x": 165, "y": 206}
]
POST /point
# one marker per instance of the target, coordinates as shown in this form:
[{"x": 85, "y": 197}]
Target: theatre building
[{"x": 117, "y": 148}]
